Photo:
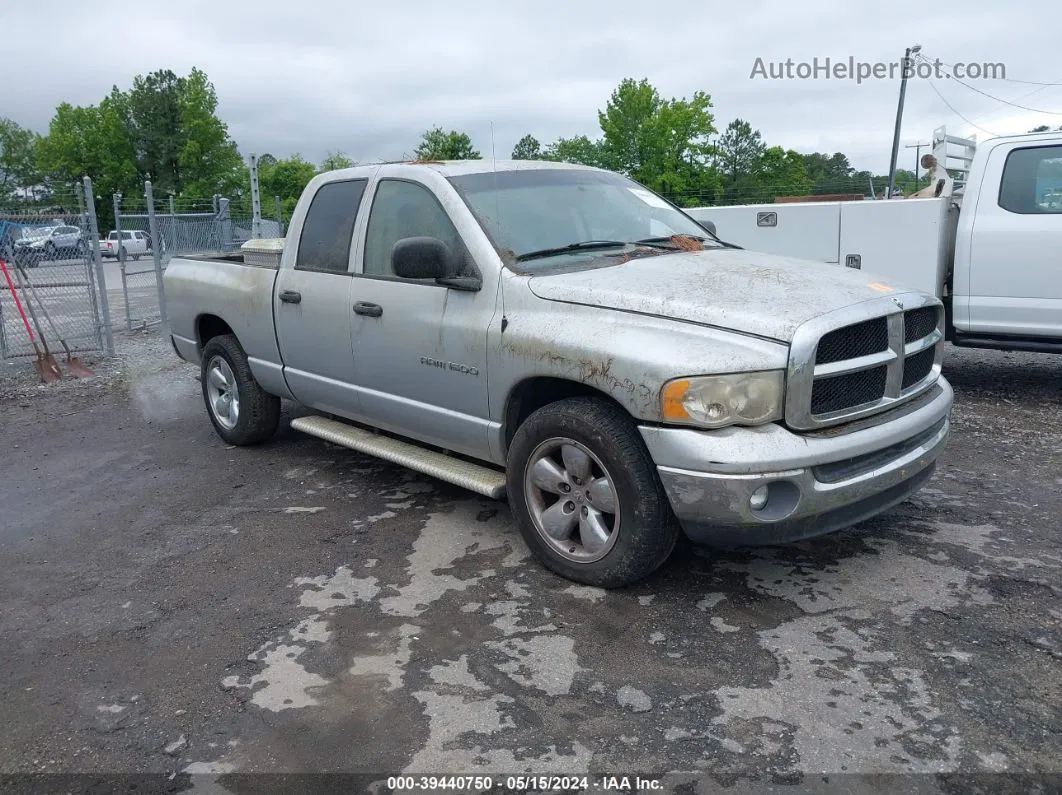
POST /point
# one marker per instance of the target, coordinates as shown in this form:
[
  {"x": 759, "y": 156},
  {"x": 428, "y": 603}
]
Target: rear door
[
  {"x": 1015, "y": 280},
  {"x": 311, "y": 302}
]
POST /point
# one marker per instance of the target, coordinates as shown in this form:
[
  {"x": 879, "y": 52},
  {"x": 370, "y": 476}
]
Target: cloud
[{"x": 368, "y": 79}]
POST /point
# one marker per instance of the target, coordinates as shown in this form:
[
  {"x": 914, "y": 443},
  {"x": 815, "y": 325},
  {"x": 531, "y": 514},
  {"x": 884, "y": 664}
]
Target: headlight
[{"x": 719, "y": 400}]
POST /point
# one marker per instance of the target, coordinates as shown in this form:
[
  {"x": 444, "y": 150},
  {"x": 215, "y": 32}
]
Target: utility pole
[
  {"x": 907, "y": 65},
  {"x": 918, "y": 156}
]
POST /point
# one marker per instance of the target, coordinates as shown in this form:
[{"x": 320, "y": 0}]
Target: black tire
[
  {"x": 50, "y": 251},
  {"x": 647, "y": 529},
  {"x": 259, "y": 411}
]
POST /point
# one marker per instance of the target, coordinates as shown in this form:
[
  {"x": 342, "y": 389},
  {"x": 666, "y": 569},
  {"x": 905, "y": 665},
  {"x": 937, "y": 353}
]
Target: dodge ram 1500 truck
[{"x": 563, "y": 337}]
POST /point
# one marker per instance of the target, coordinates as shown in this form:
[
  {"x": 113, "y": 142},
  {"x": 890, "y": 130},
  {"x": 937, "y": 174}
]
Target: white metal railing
[{"x": 955, "y": 154}]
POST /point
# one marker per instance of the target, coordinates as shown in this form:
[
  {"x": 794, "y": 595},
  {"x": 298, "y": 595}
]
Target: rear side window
[
  {"x": 324, "y": 244},
  {"x": 127, "y": 235},
  {"x": 1032, "y": 181}
]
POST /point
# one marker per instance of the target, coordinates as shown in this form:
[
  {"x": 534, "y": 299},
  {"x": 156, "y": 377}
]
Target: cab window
[
  {"x": 1032, "y": 181},
  {"x": 324, "y": 244}
]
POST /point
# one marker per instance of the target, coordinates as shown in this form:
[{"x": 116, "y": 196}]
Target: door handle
[
  {"x": 290, "y": 296},
  {"x": 365, "y": 308}
]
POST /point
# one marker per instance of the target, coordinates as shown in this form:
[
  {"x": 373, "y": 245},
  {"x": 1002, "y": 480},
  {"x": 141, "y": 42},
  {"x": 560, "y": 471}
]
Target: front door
[
  {"x": 1016, "y": 244},
  {"x": 420, "y": 353},
  {"x": 311, "y": 302}
]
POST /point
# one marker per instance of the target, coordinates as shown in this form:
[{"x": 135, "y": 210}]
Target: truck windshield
[{"x": 560, "y": 215}]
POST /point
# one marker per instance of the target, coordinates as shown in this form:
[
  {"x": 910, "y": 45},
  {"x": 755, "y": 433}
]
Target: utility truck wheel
[
  {"x": 242, "y": 412},
  {"x": 587, "y": 496}
]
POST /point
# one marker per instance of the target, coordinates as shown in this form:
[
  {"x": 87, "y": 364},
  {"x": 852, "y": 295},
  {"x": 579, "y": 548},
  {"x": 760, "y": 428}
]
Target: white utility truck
[{"x": 991, "y": 251}]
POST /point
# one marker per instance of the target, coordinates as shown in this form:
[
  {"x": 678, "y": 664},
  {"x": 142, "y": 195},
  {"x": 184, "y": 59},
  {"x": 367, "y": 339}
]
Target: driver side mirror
[
  {"x": 422, "y": 258},
  {"x": 707, "y": 226}
]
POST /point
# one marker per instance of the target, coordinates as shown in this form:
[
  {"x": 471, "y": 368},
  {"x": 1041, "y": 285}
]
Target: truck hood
[{"x": 758, "y": 294}]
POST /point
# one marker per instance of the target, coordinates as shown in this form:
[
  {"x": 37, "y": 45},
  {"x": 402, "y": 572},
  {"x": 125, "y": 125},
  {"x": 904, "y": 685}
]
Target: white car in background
[{"x": 135, "y": 243}]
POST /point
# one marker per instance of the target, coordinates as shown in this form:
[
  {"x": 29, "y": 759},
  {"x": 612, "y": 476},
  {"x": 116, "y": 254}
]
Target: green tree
[
  {"x": 438, "y": 144},
  {"x": 676, "y": 160},
  {"x": 738, "y": 154},
  {"x": 208, "y": 160},
  {"x": 18, "y": 158},
  {"x": 833, "y": 174},
  {"x": 579, "y": 149},
  {"x": 166, "y": 129},
  {"x": 627, "y": 126},
  {"x": 285, "y": 178},
  {"x": 782, "y": 172},
  {"x": 335, "y": 161},
  {"x": 527, "y": 148},
  {"x": 91, "y": 141}
]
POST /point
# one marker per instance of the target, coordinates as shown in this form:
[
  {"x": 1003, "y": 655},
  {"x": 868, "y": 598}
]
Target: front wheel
[
  {"x": 242, "y": 412},
  {"x": 586, "y": 494}
]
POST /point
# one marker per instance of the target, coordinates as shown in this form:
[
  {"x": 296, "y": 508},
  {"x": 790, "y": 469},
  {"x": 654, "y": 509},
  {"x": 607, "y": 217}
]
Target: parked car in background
[
  {"x": 38, "y": 243},
  {"x": 135, "y": 243}
]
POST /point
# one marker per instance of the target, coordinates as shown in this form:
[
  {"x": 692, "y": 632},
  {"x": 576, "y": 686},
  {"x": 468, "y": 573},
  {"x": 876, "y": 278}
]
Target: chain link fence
[
  {"x": 47, "y": 247},
  {"x": 152, "y": 230},
  {"x": 67, "y": 274}
]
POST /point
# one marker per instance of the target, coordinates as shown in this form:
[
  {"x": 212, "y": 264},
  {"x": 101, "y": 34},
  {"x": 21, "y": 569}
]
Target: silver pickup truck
[{"x": 564, "y": 337}]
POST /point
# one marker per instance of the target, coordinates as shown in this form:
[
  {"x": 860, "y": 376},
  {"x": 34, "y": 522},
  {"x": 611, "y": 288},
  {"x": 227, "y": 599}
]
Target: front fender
[{"x": 627, "y": 356}]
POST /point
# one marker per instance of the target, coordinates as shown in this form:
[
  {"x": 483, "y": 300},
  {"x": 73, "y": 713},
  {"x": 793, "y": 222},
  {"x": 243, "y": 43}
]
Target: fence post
[
  {"x": 97, "y": 258},
  {"x": 117, "y": 199},
  {"x": 84, "y": 226},
  {"x": 280, "y": 217},
  {"x": 224, "y": 222},
  {"x": 156, "y": 254},
  {"x": 256, "y": 201}
]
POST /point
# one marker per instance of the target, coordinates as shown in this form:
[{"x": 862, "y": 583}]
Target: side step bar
[{"x": 474, "y": 477}]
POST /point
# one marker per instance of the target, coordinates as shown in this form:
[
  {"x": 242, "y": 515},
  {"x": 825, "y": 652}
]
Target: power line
[
  {"x": 1005, "y": 79},
  {"x": 1000, "y": 99},
  {"x": 937, "y": 92}
]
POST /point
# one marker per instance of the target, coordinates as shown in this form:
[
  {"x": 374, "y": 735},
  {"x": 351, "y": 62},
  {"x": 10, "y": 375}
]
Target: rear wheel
[
  {"x": 587, "y": 496},
  {"x": 241, "y": 411}
]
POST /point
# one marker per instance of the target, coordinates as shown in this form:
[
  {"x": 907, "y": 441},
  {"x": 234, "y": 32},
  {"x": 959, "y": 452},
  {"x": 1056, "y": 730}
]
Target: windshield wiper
[
  {"x": 586, "y": 245},
  {"x": 660, "y": 240}
]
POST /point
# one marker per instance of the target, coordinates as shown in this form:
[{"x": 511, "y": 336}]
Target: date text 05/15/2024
[{"x": 523, "y": 783}]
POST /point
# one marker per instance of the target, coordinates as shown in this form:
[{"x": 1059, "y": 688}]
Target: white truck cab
[{"x": 992, "y": 251}]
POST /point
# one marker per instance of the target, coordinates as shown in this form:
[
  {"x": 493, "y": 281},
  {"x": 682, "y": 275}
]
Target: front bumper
[{"x": 816, "y": 482}]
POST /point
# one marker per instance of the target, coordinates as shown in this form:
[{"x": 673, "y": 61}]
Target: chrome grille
[{"x": 863, "y": 359}]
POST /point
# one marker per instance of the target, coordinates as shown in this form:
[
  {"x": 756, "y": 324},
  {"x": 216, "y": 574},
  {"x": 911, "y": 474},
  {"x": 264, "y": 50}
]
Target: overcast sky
[{"x": 367, "y": 78}]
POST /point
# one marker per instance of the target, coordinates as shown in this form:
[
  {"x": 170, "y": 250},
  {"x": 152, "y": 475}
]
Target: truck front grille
[
  {"x": 917, "y": 367},
  {"x": 854, "y": 341},
  {"x": 844, "y": 391},
  {"x": 842, "y": 367}
]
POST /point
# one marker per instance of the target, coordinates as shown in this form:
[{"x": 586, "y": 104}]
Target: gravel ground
[{"x": 215, "y": 616}]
